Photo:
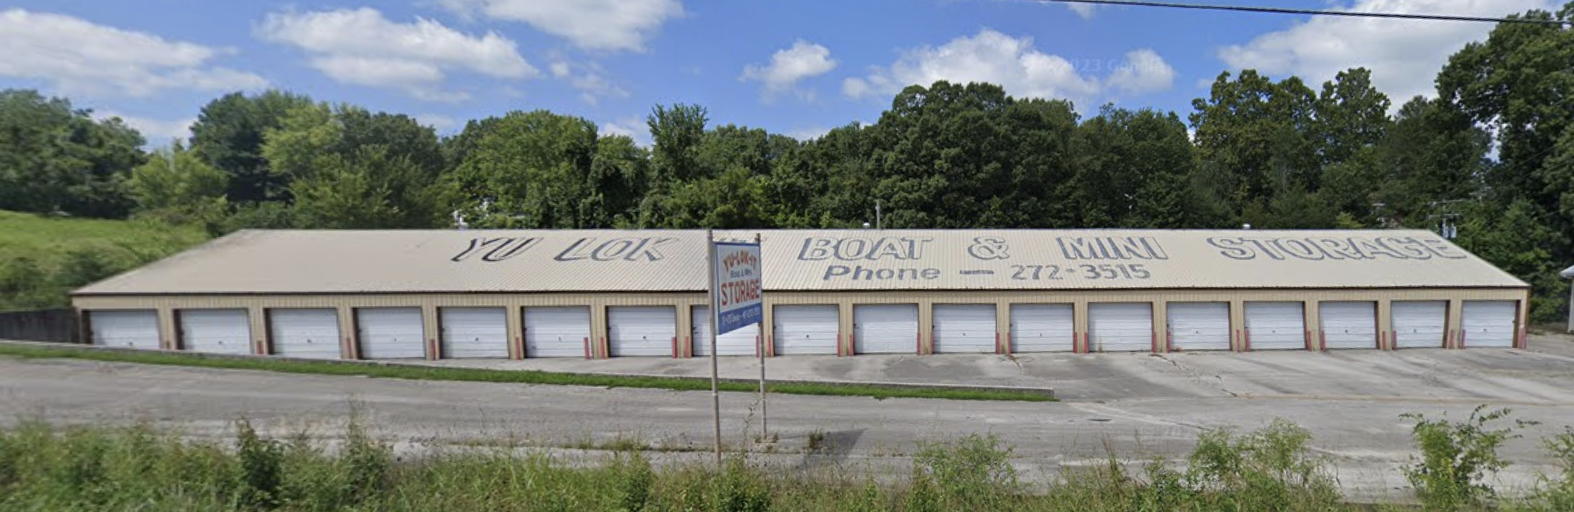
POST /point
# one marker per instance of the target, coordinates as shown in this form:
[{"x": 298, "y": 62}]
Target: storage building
[{"x": 603, "y": 293}]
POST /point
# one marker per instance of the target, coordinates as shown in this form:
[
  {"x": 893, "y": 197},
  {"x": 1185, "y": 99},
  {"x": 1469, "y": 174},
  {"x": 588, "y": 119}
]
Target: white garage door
[
  {"x": 474, "y": 332},
  {"x": 965, "y": 328},
  {"x": 806, "y": 329},
  {"x": 308, "y": 333},
  {"x": 1042, "y": 328},
  {"x": 1419, "y": 324},
  {"x": 1276, "y": 325},
  {"x": 1199, "y": 325},
  {"x": 391, "y": 333},
  {"x": 1120, "y": 327},
  {"x": 126, "y": 329},
  {"x": 215, "y": 331},
  {"x": 557, "y": 331},
  {"x": 641, "y": 330},
  {"x": 740, "y": 342},
  {"x": 1489, "y": 323},
  {"x": 1349, "y": 324},
  {"x": 885, "y": 329}
]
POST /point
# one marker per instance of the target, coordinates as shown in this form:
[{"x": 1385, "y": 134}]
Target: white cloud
[
  {"x": 809, "y": 133},
  {"x": 990, "y": 57},
  {"x": 1083, "y": 10},
  {"x": 789, "y": 66},
  {"x": 589, "y": 79},
  {"x": 439, "y": 122},
  {"x": 158, "y": 132},
  {"x": 1404, "y": 55},
  {"x": 589, "y": 24},
  {"x": 1142, "y": 72},
  {"x": 82, "y": 58},
  {"x": 361, "y": 47},
  {"x": 631, "y": 127}
]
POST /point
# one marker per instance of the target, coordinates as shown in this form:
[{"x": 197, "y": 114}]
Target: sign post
[
  {"x": 734, "y": 303},
  {"x": 765, "y": 420}
]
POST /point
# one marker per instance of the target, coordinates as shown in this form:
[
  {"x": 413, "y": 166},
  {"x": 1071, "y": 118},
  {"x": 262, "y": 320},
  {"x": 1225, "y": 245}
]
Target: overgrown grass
[
  {"x": 42, "y": 258},
  {"x": 98, "y": 468},
  {"x": 507, "y": 376}
]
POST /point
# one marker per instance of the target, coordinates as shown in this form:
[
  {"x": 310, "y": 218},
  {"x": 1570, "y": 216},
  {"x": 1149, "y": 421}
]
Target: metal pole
[
  {"x": 877, "y": 223},
  {"x": 715, "y": 392},
  {"x": 765, "y": 422}
]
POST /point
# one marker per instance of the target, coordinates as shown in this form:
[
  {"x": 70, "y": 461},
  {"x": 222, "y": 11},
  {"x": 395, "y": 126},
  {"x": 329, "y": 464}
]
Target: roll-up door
[
  {"x": 739, "y": 342},
  {"x": 1419, "y": 324},
  {"x": 1199, "y": 325},
  {"x": 390, "y": 333},
  {"x": 1120, "y": 327},
  {"x": 964, "y": 328},
  {"x": 805, "y": 329},
  {"x": 557, "y": 331},
  {"x": 1276, "y": 325},
  {"x": 885, "y": 328},
  {"x": 474, "y": 332},
  {"x": 1348, "y": 324},
  {"x": 307, "y": 333},
  {"x": 125, "y": 328},
  {"x": 1042, "y": 328},
  {"x": 1489, "y": 323},
  {"x": 641, "y": 330},
  {"x": 215, "y": 331}
]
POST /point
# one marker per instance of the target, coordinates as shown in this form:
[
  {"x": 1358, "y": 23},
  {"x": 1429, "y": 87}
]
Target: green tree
[
  {"x": 1351, "y": 115},
  {"x": 540, "y": 170},
  {"x": 1260, "y": 134},
  {"x": 955, "y": 156},
  {"x": 1131, "y": 171},
  {"x": 55, "y": 158},
  {"x": 177, "y": 186},
  {"x": 393, "y": 154},
  {"x": 1520, "y": 83},
  {"x": 351, "y": 192},
  {"x": 734, "y": 200},
  {"x": 1517, "y": 240},
  {"x": 1432, "y": 157},
  {"x": 677, "y": 133},
  {"x": 229, "y": 134},
  {"x": 621, "y": 172}
]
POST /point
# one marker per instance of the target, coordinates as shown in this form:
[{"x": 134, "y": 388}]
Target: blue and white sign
[{"x": 738, "y": 282}]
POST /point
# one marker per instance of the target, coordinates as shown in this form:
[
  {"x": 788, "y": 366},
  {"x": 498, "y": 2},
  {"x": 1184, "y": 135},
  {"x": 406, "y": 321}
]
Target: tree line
[{"x": 1491, "y": 157}]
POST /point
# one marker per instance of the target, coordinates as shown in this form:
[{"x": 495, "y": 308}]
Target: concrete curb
[{"x": 1046, "y": 392}]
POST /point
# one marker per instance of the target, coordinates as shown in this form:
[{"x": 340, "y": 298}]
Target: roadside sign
[{"x": 737, "y": 290}]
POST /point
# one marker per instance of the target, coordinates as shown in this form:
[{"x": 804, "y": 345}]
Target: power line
[{"x": 1315, "y": 12}]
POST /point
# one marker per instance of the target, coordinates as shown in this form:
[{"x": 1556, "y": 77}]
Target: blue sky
[{"x": 793, "y": 67}]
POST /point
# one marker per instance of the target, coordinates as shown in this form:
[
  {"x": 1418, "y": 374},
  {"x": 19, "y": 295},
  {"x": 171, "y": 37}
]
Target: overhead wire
[{"x": 1316, "y": 12}]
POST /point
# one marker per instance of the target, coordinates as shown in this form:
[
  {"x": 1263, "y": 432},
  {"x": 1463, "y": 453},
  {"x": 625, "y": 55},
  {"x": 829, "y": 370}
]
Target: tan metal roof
[{"x": 658, "y": 260}]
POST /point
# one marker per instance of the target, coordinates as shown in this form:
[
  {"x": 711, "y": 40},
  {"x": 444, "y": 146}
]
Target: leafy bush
[
  {"x": 1555, "y": 494},
  {"x": 1266, "y": 470},
  {"x": 24, "y": 284},
  {"x": 973, "y": 473},
  {"x": 1457, "y": 458},
  {"x": 261, "y": 466}
]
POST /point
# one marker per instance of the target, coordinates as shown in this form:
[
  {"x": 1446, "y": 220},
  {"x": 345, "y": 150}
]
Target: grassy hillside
[{"x": 42, "y": 259}]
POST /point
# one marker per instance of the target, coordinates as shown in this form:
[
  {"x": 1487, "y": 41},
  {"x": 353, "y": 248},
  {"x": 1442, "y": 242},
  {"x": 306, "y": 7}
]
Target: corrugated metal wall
[{"x": 258, "y": 305}]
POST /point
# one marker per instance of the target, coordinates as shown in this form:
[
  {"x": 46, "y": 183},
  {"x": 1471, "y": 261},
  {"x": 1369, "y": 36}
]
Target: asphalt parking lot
[{"x": 1141, "y": 406}]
